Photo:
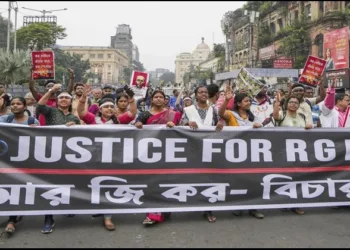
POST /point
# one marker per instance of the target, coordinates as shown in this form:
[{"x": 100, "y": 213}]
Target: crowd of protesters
[{"x": 206, "y": 106}]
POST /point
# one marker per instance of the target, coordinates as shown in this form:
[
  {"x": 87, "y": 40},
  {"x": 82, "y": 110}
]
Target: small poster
[
  {"x": 248, "y": 83},
  {"x": 312, "y": 71},
  {"x": 139, "y": 83},
  {"x": 43, "y": 65}
]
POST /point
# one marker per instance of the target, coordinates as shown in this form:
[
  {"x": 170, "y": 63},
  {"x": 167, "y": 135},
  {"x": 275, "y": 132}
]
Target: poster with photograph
[
  {"x": 139, "y": 82},
  {"x": 248, "y": 83},
  {"x": 312, "y": 71},
  {"x": 43, "y": 65},
  {"x": 336, "y": 49}
]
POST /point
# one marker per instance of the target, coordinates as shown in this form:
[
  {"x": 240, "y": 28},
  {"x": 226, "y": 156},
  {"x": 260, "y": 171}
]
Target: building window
[
  {"x": 109, "y": 56},
  {"x": 273, "y": 28},
  {"x": 308, "y": 11},
  {"x": 321, "y": 8},
  {"x": 319, "y": 44},
  {"x": 280, "y": 23},
  {"x": 296, "y": 15},
  {"x": 109, "y": 67},
  {"x": 335, "y": 5},
  {"x": 100, "y": 56},
  {"x": 92, "y": 56}
]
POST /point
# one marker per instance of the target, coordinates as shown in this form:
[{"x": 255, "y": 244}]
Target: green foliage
[
  {"x": 127, "y": 75},
  {"x": 64, "y": 61},
  {"x": 218, "y": 50},
  {"x": 3, "y": 32},
  {"x": 265, "y": 6},
  {"x": 14, "y": 67},
  {"x": 264, "y": 37},
  {"x": 253, "y": 5},
  {"x": 168, "y": 77},
  {"x": 38, "y": 36}
]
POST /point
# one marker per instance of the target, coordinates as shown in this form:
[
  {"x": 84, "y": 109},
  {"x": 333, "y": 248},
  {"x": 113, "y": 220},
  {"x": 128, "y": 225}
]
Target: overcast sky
[{"x": 161, "y": 30}]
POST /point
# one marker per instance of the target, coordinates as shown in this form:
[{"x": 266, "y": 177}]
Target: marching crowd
[{"x": 206, "y": 106}]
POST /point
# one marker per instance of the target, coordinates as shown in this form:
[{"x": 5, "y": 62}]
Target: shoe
[
  {"x": 96, "y": 215},
  {"x": 298, "y": 211},
  {"x": 256, "y": 214},
  {"x": 109, "y": 225},
  {"x": 237, "y": 212},
  {"x": 49, "y": 224}
]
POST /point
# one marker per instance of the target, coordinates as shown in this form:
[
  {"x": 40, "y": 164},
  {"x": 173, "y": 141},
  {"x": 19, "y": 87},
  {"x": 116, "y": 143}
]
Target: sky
[{"x": 161, "y": 30}]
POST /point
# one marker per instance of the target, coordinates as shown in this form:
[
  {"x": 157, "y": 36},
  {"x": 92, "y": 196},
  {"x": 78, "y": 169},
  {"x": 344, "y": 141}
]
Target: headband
[
  {"x": 107, "y": 103},
  {"x": 64, "y": 94},
  {"x": 187, "y": 98},
  {"x": 298, "y": 88}
]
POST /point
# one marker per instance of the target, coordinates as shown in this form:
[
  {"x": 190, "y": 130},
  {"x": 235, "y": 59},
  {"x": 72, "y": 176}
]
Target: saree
[{"x": 161, "y": 118}]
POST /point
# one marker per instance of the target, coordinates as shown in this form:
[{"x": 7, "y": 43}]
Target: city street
[{"x": 320, "y": 227}]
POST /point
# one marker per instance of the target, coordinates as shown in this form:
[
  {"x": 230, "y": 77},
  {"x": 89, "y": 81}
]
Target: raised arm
[
  {"x": 71, "y": 81},
  {"x": 276, "y": 107},
  {"x": 322, "y": 95},
  {"x": 48, "y": 94},
  {"x": 132, "y": 103},
  {"x": 228, "y": 97},
  {"x": 81, "y": 107}
]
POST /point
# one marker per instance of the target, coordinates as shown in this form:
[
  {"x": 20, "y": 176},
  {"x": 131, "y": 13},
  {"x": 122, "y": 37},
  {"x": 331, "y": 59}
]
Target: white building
[{"x": 184, "y": 60}]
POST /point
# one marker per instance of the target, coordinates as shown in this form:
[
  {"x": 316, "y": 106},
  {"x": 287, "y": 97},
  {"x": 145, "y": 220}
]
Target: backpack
[
  {"x": 31, "y": 120},
  {"x": 308, "y": 102},
  {"x": 284, "y": 116}
]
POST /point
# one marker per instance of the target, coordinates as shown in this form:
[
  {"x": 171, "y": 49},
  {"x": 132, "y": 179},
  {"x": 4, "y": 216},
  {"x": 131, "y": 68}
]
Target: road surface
[{"x": 318, "y": 227}]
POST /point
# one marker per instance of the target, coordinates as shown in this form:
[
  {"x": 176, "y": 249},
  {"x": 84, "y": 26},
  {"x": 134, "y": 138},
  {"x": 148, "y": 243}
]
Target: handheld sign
[{"x": 43, "y": 65}]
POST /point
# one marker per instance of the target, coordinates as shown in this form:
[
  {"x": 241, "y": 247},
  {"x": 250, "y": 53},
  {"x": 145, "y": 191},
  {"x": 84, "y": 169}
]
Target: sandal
[
  {"x": 209, "y": 217},
  {"x": 10, "y": 228},
  {"x": 109, "y": 225},
  {"x": 298, "y": 211},
  {"x": 148, "y": 221}
]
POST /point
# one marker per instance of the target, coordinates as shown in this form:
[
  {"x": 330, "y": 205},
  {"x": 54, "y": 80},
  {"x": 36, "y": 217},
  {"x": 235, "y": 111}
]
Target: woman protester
[
  {"x": 4, "y": 104},
  {"x": 158, "y": 114},
  {"x": 240, "y": 116},
  {"x": 290, "y": 117},
  {"x": 18, "y": 115},
  {"x": 108, "y": 113},
  {"x": 61, "y": 115},
  {"x": 202, "y": 114}
]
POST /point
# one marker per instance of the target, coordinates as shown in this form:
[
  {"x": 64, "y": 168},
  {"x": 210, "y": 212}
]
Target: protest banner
[
  {"x": 247, "y": 82},
  {"x": 43, "y": 65},
  {"x": 121, "y": 169},
  {"x": 336, "y": 48},
  {"x": 312, "y": 72}
]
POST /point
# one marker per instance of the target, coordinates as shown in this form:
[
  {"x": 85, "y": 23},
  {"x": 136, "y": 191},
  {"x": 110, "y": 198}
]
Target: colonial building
[
  {"x": 184, "y": 60},
  {"x": 135, "y": 54},
  {"x": 107, "y": 62}
]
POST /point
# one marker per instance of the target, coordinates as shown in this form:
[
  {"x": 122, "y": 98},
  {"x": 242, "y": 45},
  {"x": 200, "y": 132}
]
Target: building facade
[
  {"x": 135, "y": 54},
  {"x": 123, "y": 41},
  {"x": 186, "y": 60},
  {"x": 108, "y": 63}
]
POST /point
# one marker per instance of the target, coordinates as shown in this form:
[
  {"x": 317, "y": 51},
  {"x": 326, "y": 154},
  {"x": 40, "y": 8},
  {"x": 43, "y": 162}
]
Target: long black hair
[
  {"x": 238, "y": 99},
  {"x": 158, "y": 92},
  {"x": 24, "y": 102},
  {"x": 104, "y": 100}
]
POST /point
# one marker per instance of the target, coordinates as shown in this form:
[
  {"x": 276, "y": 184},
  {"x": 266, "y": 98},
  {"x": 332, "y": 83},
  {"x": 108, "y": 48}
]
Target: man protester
[
  {"x": 97, "y": 94},
  {"x": 173, "y": 99},
  {"x": 213, "y": 92},
  {"x": 262, "y": 107},
  {"x": 307, "y": 103}
]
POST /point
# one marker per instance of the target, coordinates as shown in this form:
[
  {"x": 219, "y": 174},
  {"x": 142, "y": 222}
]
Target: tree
[
  {"x": 14, "y": 67},
  {"x": 63, "y": 61},
  {"x": 3, "y": 32},
  {"x": 219, "y": 50},
  {"x": 168, "y": 77},
  {"x": 253, "y": 5},
  {"x": 139, "y": 66},
  {"x": 38, "y": 36},
  {"x": 127, "y": 75}
]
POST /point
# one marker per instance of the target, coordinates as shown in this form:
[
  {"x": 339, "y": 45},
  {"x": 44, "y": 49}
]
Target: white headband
[
  {"x": 187, "y": 98},
  {"x": 64, "y": 94},
  {"x": 298, "y": 88},
  {"x": 107, "y": 103}
]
